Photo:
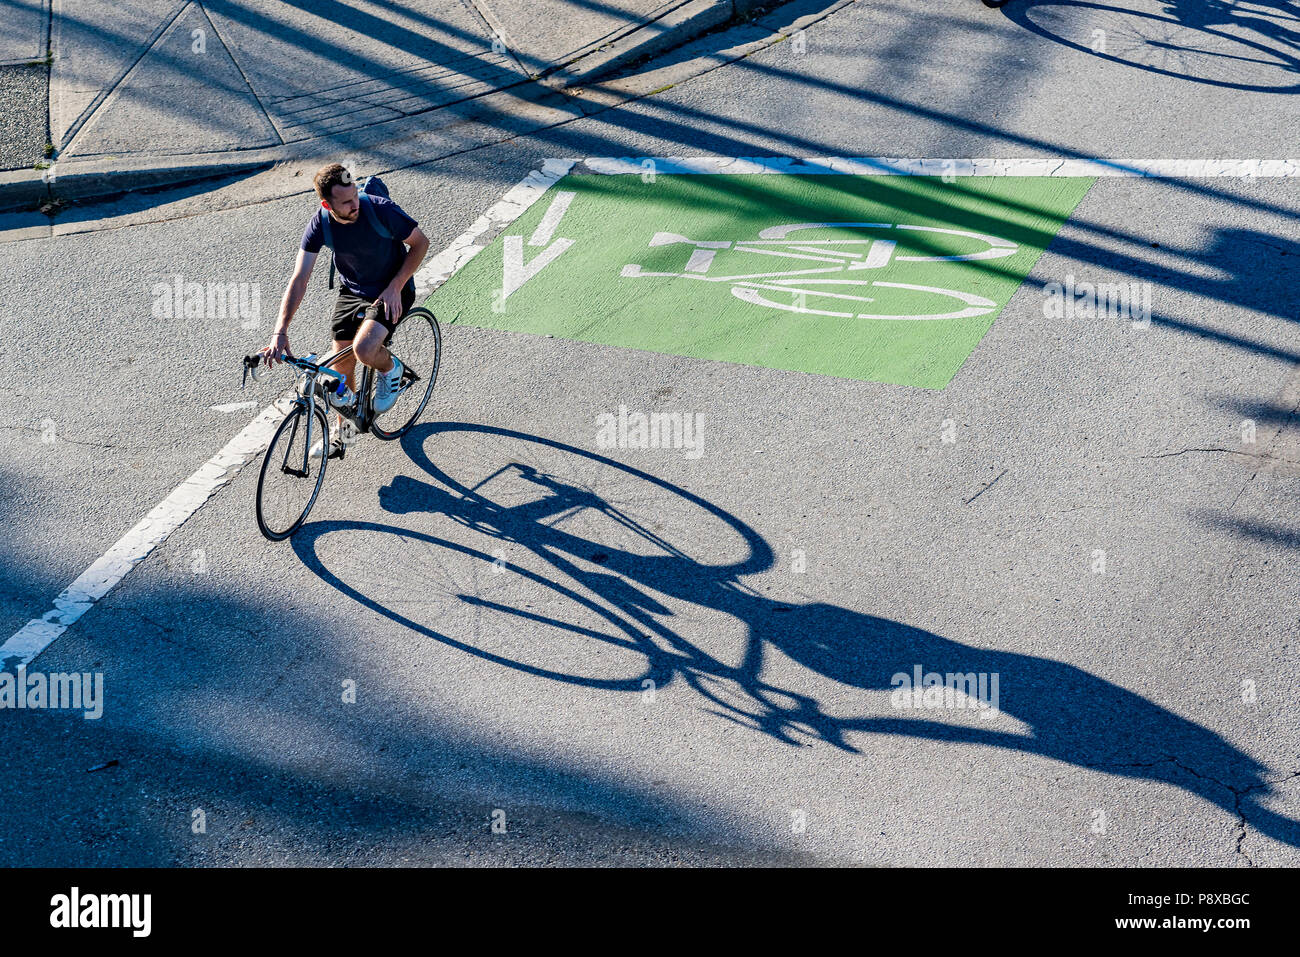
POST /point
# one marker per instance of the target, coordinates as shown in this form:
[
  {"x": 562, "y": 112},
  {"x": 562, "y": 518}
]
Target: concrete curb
[
  {"x": 73, "y": 181},
  {"x": 658, "y": 36},
  {"x": 70, "y": 182}
]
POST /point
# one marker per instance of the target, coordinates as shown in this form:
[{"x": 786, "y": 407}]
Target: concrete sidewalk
[
  {"x": 198, "y": 85},
  {"x": 25, "y": 25}
]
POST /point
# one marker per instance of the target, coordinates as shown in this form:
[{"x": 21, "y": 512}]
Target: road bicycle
[{"x": 291, "y": 476}]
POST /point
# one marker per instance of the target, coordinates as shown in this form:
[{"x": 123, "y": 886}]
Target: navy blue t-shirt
[{"x": 366, "y": 261}]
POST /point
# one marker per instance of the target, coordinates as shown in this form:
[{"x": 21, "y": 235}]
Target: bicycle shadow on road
[
  {"x": 1072, "y": 715},
  {"x": 1213, "y": 42}
]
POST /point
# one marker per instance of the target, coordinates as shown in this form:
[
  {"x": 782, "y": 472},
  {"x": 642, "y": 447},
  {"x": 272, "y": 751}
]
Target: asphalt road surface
[
  {"x": 633, "y": 655},
  {"x": 23, "y": 92}
]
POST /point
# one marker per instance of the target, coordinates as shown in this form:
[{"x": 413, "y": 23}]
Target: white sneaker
[
  {"x": 342, "y": 435},
  {"x": 387, "y": 387},
  {"x": 337, "y": 448}
]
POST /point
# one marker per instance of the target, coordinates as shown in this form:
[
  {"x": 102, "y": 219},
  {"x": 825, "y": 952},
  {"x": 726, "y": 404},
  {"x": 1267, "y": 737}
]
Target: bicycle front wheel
[
  {"x": 417, "y": 342},
  {"x": 291, "y": 476}
]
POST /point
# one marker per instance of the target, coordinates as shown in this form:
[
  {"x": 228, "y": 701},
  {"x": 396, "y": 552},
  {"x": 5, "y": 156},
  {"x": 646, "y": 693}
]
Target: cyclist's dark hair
[{"x": 330, "y": 176}]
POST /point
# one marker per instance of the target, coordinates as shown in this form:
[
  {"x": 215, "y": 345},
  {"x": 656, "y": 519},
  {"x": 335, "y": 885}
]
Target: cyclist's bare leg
[
  {"x": 369, "y": 346},
  {"x": 347, "y": 365}
]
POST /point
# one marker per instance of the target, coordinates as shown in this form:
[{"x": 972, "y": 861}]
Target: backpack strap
[
  {"x": 325, "y": 227},
  {"x": 372, "y": 217},
  {"x": 328, "y": 239}
]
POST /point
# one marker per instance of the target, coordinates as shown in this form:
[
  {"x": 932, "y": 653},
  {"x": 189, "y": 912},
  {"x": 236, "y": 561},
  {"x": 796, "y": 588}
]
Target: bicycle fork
[{"x": 306, "y": 445}]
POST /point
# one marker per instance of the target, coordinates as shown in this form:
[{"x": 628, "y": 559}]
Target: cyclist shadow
[{"x": 1071, "y": 715}]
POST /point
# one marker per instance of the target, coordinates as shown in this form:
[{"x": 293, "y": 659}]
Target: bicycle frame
[
  {"x": 362, "y": 414},
  {"x": 312, "y": 391}
]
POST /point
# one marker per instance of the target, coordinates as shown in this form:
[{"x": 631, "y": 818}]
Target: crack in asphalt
[
  {"x": 1285, "y": 425},
  {"x": 1241, "y": 822},
  {"x": 1254, "y": 455},
  {"x": 229, "y": 625},
  {"x": 64, "y": 438},
  {"x": 1237, "y": 793},
  {"x": 986, "y": 487}
]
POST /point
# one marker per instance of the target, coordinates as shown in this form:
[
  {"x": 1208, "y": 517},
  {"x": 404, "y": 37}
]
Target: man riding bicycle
[{"x": 377, "y": 284}]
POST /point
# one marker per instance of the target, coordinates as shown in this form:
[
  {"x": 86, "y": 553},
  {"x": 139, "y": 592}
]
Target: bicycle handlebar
[{"x": 252, "y": 362}]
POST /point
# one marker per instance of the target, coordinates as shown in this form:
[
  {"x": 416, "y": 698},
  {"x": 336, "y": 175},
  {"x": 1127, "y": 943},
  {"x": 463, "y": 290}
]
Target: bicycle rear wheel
[
  {"x": 418, "y": 343},
  {"x": 291, "y": 478}
]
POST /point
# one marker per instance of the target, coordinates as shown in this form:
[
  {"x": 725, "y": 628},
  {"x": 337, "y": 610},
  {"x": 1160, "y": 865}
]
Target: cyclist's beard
[{"x": 348, "y": 219}]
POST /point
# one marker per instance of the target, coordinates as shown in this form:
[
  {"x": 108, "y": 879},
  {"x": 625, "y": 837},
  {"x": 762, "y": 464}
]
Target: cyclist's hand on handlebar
[{"x": 277, "y": 350}]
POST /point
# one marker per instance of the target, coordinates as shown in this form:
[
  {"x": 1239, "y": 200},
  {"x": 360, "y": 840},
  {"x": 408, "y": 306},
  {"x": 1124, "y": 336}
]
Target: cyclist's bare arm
[
  {"x": 417, "y": 246},
  {"x": 293, "y": 294}
]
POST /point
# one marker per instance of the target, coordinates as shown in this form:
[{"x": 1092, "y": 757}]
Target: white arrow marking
[
  {"x": 514, "y": 271},
  {"x": 546, "y": 228}
]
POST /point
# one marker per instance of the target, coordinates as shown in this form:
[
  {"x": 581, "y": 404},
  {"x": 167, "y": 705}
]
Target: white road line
[
  {"x": 232, "y": 406},
  {"x": 899, "y": 166},
  {"x": 133, "y": 547}
]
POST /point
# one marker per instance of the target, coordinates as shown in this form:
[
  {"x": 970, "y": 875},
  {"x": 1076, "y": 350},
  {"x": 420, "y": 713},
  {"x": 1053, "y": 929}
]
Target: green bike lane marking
[{"x": 891, "y": 279}]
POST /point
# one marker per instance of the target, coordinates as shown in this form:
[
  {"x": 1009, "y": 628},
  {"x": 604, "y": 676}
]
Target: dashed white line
[{"x": 484, "y": 229}]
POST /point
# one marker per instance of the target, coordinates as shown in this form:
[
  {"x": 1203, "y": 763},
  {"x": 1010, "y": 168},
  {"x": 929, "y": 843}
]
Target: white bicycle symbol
[{"x": 844, "y": 255}]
